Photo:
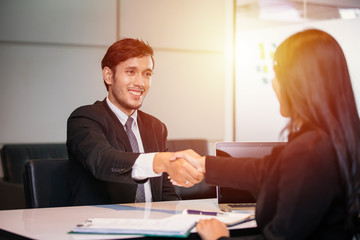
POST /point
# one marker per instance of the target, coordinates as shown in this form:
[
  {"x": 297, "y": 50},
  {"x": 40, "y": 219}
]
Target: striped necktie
[{"x": 140, "y": 193}]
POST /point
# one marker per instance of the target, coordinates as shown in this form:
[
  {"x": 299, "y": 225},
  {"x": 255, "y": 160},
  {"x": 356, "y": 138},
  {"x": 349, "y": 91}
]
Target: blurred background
[{"x": 213, "y": 61}]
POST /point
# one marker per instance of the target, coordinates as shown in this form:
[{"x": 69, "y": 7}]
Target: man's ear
[{"x": 107, "y": 75}]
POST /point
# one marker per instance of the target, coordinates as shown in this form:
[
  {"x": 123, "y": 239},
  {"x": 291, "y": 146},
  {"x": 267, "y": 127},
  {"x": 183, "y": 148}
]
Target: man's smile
[{"x": 136, "y": 92}]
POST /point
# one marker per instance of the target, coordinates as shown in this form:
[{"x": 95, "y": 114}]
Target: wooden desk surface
[{"x": 55, "y": 223}]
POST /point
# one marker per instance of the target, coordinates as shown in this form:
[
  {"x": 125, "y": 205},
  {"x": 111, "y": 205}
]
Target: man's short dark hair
[{"x": 124, "y": 49}]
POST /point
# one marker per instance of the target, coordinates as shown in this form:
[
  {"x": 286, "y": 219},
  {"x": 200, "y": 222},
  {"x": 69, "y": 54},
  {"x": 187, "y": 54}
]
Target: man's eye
[
  {"x": 130, "y": 72},
  {"x": 148, "y": 74}
]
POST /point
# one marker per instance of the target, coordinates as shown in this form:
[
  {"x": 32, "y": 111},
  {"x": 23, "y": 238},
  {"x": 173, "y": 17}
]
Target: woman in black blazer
[{"x": 309, "y": 188}]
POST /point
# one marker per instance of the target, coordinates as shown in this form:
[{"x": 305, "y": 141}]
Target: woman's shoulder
[
  {"x": 311, "y": 148},
  {"x": 312, "y": 140}
]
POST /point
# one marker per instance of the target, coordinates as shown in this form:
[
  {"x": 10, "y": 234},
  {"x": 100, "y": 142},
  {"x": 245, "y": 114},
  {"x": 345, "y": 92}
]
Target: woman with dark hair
[{"x": 309, "y": 188}]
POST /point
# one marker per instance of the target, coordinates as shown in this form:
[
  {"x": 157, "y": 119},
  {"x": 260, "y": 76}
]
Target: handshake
[{"x": 185, "y": 168}]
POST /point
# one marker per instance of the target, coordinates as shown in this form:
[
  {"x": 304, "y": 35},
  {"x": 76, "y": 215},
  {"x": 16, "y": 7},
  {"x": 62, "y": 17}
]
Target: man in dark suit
[{"x": 117, "y": 153}]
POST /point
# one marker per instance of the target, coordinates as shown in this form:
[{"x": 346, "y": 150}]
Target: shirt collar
[{"x": 120, "y": 114}]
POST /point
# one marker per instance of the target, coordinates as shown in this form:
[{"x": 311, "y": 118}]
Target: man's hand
[
  {"x": 180, "y": 170},
  {"x": 192, "y": 157}
]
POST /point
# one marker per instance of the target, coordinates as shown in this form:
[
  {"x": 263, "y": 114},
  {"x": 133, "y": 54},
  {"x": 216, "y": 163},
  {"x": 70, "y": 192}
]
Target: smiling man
[{"x": 117, "y": 153}]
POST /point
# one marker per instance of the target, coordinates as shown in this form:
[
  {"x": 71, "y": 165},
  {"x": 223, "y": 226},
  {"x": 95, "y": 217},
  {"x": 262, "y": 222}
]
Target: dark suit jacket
[
  {"x": 101, "y": 158},
  {"x": 300, "y": 190}
]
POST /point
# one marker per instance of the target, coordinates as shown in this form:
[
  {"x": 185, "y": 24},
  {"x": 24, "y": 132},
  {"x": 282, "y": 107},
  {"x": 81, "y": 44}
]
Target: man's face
[{"x": 129, "y": 84}]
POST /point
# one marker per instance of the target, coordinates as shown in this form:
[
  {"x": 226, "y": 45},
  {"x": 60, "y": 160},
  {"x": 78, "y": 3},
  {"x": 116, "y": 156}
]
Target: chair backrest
[
  {"x": 199, "y": 145},
  {"x": 46, "y": 183},
  {"x": 14, "y": 157},
  {"x": 201, "y": 190}
]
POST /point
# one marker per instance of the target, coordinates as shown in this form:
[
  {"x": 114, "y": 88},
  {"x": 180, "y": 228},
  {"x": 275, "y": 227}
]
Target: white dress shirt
[{"x": 143, "y": 166}]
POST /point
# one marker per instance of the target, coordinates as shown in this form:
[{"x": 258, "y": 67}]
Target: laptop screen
[{"x": 241, "y": 150}]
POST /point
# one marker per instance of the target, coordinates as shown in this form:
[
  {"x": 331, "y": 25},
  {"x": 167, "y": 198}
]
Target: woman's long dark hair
[{"x": 315, "y": 85}]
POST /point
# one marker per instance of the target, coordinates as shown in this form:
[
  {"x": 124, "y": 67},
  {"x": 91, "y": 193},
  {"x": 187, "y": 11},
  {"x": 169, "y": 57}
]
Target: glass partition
[{"x": 260, "y": 26}]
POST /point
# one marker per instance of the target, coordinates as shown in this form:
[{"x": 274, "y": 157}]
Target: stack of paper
[
  {"x": 174, "y": 226},
  {"x": 178, "y": 225}
]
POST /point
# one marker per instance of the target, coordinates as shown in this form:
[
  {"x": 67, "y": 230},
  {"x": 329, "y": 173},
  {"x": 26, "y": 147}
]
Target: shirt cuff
[{"x": 143, "y": 167}]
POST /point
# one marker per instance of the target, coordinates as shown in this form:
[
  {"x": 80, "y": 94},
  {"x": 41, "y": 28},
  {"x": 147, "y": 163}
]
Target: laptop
[{"x": 235, "y": 200}]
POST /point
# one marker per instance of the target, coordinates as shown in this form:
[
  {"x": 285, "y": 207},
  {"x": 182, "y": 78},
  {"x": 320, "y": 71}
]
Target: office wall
[
  {"x": 50, "y": 53},
  {"x": 189, "y": 82}
]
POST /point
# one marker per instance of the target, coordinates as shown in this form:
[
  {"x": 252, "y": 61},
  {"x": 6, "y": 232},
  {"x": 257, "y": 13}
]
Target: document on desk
[
  {"x": 178, "y": 225},
  {"x": 173, "y": 226}
]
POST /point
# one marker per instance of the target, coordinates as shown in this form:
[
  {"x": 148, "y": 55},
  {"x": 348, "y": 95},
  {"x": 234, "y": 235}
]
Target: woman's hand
[{"x": 211, "y": 229}]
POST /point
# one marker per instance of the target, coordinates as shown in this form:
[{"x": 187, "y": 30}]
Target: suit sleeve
[
  {"x": 244, "y": 173},
  {"x": 91, "y": 142},
  {"x": 241, "y": 173}
]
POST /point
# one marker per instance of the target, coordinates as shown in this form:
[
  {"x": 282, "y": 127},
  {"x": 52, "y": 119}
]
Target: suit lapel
[
  {"x": 119, "y": 128},
  {"x": 147, "y": 134}
]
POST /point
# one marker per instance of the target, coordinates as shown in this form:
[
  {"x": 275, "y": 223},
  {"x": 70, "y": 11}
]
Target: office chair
[
  {"x": 13, "y": 159},
  {"x": 46, "y": 183}
]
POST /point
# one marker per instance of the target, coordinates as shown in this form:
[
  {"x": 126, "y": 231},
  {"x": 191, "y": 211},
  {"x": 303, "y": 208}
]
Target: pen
[{"x": 198, "y": 212}]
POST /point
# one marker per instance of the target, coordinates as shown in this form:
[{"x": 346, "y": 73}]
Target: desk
[{"x": 55, "y": 223}]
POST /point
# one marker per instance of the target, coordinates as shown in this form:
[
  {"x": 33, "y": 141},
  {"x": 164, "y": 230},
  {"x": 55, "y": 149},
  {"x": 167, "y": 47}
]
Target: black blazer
[
  {"x": 101, "y": 158},
  {"x": 300, "y": 189}
]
